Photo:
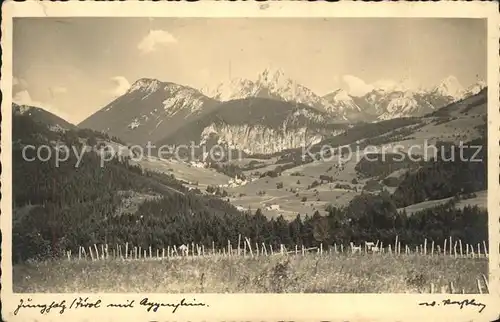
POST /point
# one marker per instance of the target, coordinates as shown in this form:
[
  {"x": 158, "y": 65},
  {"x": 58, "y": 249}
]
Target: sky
[{"x": 75, "y": 66}]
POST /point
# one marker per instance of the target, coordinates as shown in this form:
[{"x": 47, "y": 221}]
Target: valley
[
  {"x": 295, "y": 165},
  {"x": 299, "y": 189}
]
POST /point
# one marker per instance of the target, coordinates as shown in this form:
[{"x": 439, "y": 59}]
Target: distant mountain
[
  {"x": 475, "y": 104},
  {"x": 40, "y": 115},
  {"x": 149, "y": 111},
  {"x": 398, "y": 101},
  {"x": 344, "y": 103},
  {"x": 257, "y": 125},
  {"x": 449, "y": 87},
  {"x": 385, "y": 101},
  {"x": 274, "y": 84},
  {"x": 474, "y": 88}
]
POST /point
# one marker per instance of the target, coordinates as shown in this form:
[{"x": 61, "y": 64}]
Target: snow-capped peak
[
  {"x": 145, "y": 85},
  {"x": 450, "y": 86},
  {"x": 270, "y": 82},
  {"x": 236, "y": 88},
  {"x": 475, "y": 88},
  {"x": 272, "y": 76},
  {"x": 342, "y": 96},
  {"x": 341, "y": 102}
]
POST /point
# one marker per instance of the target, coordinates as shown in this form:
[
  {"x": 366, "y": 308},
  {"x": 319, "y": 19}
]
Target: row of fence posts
[
  {"x": 482, "y": 287},
  {"x": 136, "y": 252},
  {"x": 456, "y": 249}
]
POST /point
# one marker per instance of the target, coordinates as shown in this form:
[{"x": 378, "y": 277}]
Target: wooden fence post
[
  {"x": 486, "y": 283},
  {"x": 479, "y": 286},
  {"x": 249, "y": 246}
]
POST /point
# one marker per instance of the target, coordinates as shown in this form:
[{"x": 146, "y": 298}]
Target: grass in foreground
[{"x": 379, "y": 273}]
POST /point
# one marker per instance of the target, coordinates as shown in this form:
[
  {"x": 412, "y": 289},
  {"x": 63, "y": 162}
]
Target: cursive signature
[
  {"x": 154, "y": 306},
  {"x": 460, "y": 304},
  {"x": 61, "y": 305}
]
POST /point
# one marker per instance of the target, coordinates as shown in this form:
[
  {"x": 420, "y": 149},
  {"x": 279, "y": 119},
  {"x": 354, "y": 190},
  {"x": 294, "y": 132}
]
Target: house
[{"x": 273, "y": 207}]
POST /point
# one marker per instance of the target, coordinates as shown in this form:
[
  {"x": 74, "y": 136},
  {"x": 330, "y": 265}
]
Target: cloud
[
  {"x": 356, "y": 86},
  {"x": 391, "y": 85},
  {"x": 24, "y": 98},
  {"x": 121, "y": 85},
  {"x": 57, "y": 90},
  {"x": 19, "y": 82},
  {"x": 385, "y": 84},
  {"x": 153, "y": 39}
]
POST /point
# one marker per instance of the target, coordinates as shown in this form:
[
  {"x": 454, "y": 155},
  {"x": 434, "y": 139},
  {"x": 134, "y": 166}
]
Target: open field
[
  {"x": 312, "y": 273},
  {"x": 481, "y": 200},
  {"x": 184, "y": 171}
]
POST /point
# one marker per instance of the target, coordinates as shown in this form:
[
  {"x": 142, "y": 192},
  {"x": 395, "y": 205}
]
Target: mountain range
[
  {"x": 246, "y": 113},
  {"x": 383, "y": 102}
]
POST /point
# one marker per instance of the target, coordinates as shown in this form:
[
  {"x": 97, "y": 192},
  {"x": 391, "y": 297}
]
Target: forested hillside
[{"x": 447, "y": 175}]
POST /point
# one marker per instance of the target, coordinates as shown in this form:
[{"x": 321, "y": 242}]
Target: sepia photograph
[{"x": 223, "y": 155}]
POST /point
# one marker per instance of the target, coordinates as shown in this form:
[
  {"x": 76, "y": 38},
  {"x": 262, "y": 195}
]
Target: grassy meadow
[{"x": 312, "y": 273}]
